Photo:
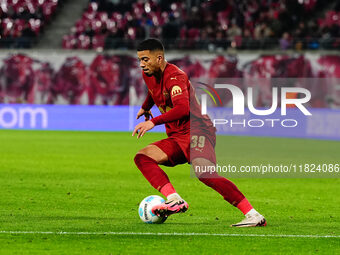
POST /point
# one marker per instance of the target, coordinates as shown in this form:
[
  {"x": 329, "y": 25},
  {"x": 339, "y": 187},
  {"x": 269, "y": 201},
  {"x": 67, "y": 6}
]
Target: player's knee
[
  {"x": 145, "y": 151},
  {"x": 154, "y": 153},
  {"x": 138, "y": 158}
]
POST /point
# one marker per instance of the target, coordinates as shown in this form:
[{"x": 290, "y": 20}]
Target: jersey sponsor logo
[
  {"x": 176, "y": 90},
  {"x": 164, "y": 109}
]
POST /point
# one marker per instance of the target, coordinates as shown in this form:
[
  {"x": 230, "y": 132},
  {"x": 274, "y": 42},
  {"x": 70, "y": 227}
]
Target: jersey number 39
[{"x": 197, "y": 141}]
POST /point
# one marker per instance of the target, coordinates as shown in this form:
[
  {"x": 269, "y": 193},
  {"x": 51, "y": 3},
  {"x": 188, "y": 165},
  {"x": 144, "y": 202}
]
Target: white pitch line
[{"x": 164, "y": 234}]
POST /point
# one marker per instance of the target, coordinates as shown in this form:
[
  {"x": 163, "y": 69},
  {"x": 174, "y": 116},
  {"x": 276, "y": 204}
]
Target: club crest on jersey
[{"x": 176, "y": 90}]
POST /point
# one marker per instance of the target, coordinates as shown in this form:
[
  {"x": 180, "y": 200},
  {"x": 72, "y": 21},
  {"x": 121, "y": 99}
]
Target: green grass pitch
[{"x": 87, "y": 182}]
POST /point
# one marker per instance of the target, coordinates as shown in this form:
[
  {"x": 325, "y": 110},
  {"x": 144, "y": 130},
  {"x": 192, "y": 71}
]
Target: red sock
[
  {"x": 167, "y": 189},
  {"x": 244, "y": 206},
  {"x": 154, "y": 174},
  {"x": 226, "y": 188}
]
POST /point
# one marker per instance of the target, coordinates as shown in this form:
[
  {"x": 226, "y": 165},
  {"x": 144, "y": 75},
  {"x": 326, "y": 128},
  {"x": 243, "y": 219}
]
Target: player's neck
[
  {"x": 158, "y": 75},
  {"x": 163, "y": 65}
]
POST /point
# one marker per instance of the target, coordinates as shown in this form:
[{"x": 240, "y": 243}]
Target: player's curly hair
[{"x": 150, "y": 44}]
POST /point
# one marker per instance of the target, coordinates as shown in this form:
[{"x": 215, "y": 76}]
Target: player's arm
[
  {"x": 145, "y": 109},
  {"x": 179, "y": 111},
  {"x": 180, "y": 101},
  {"x": 143, "y": 127},
  {"x": 148, "y": 102}
]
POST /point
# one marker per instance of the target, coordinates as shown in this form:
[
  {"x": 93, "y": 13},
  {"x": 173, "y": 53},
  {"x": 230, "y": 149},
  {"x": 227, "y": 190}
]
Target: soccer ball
[{"x": 145, "y": 207}]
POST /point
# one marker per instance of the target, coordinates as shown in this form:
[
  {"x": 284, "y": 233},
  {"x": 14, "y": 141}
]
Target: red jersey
[{"x": 175, "y": 98}]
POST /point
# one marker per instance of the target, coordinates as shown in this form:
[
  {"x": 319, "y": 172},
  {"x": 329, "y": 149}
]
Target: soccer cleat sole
[
  {"x": 262, "y": 223},
  {"x": 164, "y": 212}
]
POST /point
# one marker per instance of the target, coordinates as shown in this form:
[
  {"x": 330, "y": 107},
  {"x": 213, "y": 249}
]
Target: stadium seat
[{"x": 25, "y": 18}]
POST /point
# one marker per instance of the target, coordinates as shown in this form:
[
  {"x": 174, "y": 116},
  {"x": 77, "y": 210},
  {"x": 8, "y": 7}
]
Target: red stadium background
[{"x": 116, "y": 79}]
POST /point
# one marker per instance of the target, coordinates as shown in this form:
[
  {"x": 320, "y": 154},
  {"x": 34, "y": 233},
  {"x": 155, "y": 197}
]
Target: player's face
[{"x": 149, "y": 61}]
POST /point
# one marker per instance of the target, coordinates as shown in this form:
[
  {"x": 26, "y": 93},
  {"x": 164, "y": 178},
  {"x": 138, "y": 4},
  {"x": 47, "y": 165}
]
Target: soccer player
[{"x": 189, "y": 132}]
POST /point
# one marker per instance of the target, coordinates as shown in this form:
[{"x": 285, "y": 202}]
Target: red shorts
[
  {"x": 171, "y": 148},
  {"x": 182, "y": 149}
]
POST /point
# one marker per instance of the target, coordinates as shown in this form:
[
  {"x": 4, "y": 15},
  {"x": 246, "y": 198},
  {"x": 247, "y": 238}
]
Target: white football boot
[{"x": 251, "y": 220}]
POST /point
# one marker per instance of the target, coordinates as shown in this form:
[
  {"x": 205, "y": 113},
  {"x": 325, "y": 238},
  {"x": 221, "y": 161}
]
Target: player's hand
[
  {"x": 147, "y": 114},
  {"x": 142, "y": 128}
]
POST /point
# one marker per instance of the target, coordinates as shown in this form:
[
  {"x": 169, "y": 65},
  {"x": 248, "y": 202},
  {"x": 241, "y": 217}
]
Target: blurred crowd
[
  {"x": 117, "y": 80},
  {"x": 190, "y": 24},
  {"x": 21, "y": 21},
  {"x": 213, "y": 24}
]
